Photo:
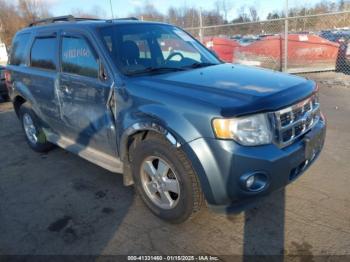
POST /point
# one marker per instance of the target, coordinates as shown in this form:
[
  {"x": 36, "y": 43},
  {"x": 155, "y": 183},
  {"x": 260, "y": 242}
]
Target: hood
[{"x": 235, "y": 89}]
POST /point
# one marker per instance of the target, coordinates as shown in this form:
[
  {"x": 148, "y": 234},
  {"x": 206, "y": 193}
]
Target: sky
[{"x": 123, "y": 8}]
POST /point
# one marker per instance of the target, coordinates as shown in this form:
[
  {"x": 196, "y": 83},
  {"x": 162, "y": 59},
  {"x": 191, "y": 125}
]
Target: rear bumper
[{"x": 221, "y": 163}]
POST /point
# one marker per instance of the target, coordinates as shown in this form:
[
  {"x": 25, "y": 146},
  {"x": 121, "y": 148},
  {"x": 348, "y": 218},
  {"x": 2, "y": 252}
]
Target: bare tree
[
  {"x": 32, "y": 10},
  {"x": 148, "y": 12},
  {"x": 173, "y": 16},
  {"x": 253, "y": 14},
  {"x": 223, "y": 7},
  {"x": 95, "y": 12},
  {"x": 190, "y": 17},
  {"x": 10, "y": 22},
  {"x": 14, "y": 17},
  {"x": 242, "y": 15},
  {"x": 273, "y": 15}
]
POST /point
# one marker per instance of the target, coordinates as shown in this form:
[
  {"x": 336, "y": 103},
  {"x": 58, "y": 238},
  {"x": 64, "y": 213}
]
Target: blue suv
[{"x": 149, "y": 101}]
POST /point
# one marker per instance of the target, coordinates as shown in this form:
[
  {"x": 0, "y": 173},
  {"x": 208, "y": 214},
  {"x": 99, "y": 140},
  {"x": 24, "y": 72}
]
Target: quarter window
[
  {"x": 78, "y": 57},
  {"x": 19, "y": 47},
  {"x": 43, "y": 53}
]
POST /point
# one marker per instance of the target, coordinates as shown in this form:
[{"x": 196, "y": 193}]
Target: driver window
[
  {"x": 78, "y": 57},
  {"x": 175, "y": 49}
]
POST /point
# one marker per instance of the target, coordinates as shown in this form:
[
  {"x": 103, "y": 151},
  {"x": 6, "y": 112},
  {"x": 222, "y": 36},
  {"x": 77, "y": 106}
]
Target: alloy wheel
[
  {"x": 160, "y": 182},
  {"x": 30, "y": 128}
]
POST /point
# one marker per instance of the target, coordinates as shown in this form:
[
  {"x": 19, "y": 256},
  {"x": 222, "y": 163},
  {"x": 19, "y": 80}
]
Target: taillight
[{"x": 7, "y": 76}]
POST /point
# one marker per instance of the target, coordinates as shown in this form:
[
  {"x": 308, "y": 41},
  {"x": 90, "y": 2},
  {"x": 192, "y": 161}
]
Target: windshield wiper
[
  {"x": 199, "y": 64},
  {"x": 155, "y": 70}
]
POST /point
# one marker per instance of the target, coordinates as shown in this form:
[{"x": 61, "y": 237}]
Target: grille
[{"x": 294, "y": 121}]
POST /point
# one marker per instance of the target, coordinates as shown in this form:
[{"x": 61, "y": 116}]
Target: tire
[
  {"x": 40, "y": 144},
  {"x": 154, "y": 150}
]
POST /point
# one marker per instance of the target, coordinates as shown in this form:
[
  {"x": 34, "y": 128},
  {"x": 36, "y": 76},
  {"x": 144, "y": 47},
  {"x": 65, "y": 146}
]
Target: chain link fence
[{"x": 314, "y": 42}]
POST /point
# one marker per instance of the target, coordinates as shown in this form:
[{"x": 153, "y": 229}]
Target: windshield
[{"x": 154, "y": 48}]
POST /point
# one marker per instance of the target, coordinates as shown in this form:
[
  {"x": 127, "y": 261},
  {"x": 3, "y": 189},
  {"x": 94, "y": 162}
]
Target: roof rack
[
  {"x": 66, "y": 18},
  {"x": 127, "y": 18},
  {"x": 70, "y": 18}
]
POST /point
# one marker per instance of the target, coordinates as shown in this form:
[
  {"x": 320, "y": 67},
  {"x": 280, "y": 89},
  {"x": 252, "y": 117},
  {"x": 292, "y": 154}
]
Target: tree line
[
  {"x": 15, "y": 15},
  {"x": 189, "y": 17},
  {"x": 18, "y": 14}
]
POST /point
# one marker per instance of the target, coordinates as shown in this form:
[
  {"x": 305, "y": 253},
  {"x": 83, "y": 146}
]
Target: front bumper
[{"x": 220, "y": 164}]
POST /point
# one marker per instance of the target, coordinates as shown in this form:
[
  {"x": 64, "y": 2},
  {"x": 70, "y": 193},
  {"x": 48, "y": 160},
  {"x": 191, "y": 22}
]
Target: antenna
[{"x": 111, "y": 6}]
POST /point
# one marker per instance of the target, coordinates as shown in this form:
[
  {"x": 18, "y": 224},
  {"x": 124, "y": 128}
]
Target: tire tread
[{"x": 198, "y": 197}]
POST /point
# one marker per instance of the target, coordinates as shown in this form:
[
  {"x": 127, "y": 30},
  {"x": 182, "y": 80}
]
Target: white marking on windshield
[{"x": 183, "y": 35}]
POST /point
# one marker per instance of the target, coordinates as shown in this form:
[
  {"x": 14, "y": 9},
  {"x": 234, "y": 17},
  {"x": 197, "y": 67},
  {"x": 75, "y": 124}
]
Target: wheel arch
[
  {"x": 139, "y": 131},
  {"x": 18, "y": 101}
]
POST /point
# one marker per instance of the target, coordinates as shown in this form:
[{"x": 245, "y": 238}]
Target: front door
[{"x": 83, "y": 95}]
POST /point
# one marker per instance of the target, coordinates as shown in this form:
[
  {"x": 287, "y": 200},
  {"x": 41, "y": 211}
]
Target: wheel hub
[
  {"x": 30, "y": 128},
  {"x": 160, "y": 182}
]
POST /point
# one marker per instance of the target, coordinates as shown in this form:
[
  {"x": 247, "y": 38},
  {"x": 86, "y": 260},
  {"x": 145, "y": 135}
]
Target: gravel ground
[{"x": 58, "y": 203}]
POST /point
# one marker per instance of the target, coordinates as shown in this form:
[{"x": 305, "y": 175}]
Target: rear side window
[
  {"x": 18, "y": 52},
  {"x": 78, "y": 57},
  {"x": 43, "y": 53}
]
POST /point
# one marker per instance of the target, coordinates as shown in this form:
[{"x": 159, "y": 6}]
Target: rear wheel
[
  {"x": 34, "y": 134},
  {"x": 165, "y": 179}
]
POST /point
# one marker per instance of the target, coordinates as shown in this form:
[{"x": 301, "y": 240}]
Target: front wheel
[{"x": 165, "y": 179}]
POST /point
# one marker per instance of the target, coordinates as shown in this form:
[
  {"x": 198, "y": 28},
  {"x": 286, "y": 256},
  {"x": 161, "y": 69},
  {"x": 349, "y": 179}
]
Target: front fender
[
  {"x": 144, "y": 126},
  {"x": 176, "y": 127}
]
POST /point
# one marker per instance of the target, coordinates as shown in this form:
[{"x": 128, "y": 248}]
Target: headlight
[{"x": 249, "y": 131}]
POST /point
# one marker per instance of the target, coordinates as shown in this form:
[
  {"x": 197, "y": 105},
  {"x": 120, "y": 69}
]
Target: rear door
[
  {"x": 83, "y": 91},
  {"x": 41, "y": 77}
]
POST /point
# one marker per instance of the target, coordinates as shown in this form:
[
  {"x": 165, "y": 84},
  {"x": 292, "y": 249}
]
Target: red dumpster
[
  {"x": 305, "y": 51},
  {"x": 223, "y": 47}
]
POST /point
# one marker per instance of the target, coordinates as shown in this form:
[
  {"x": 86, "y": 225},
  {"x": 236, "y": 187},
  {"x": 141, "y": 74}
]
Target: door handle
[{"x": 66, "y": 89}]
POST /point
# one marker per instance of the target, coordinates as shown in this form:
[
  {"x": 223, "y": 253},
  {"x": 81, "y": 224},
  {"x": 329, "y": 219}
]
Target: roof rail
[
  {"x": 66, "y": 18},
  {"x": 127, "y": 18}
]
